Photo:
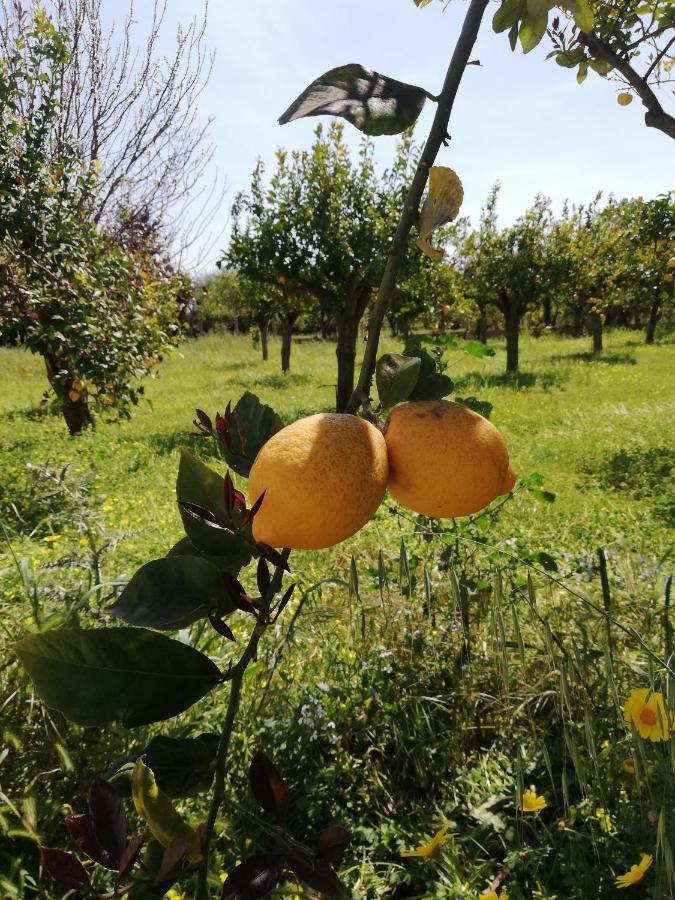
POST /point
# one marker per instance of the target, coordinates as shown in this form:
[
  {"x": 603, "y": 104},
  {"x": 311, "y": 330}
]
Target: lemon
[
  {"x": 624, "y": 98},
  {"x": 444, "y": 459},
  {"x": 323, "y": 476}
]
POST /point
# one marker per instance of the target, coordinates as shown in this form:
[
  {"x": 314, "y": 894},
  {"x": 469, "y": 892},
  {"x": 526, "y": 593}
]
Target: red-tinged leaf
[
  {"x": 333, "y": 841},
  {"x": 273, "y": 556},
  {"x": 81, "y": 829},
  {"x": 315, "y": 873},
  {"x": 131, "y": 854},
  {"x": 263, "y": 577},
  {"x": 223, "y": 426},
  {"x": 203, "y": 515},
  {"x": 254, "y": 878},
  {"x": 65, "y": 869},
  {"x": 253, "y": 510},
  {"x": 109, "y": 818},
  {"x": 269, "y": 788},
  {"x": 172, "y": 855},
  {"x": 222, "y": 628},
  {"x": 239, "y": 501},
  {"x": 203, "y": 422},
  {"x": 228, "y": 488}
]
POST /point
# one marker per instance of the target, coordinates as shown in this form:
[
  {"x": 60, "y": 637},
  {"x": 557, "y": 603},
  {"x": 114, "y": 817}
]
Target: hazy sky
[{"x": 520, "y": 119}]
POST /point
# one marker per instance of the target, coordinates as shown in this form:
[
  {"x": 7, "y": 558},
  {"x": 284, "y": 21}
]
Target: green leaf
[
  {"x": 197, "y": 483},
  {"x": 164, "y": 821},
  {"x": 532, "y": 30},
  {"x": 482, "y": 407},
  {"x": 539, "y": 7},
  {"x": 421, "y": 3},
  {"x": 373, "y": 103},
  {"x": 582, "y": 13},
  {"x": 185, "y": 547},
  {"x": 431, "y": 385},
  {"x": 172, "y": 593},
  {"x": 507, "y": 15},
  {"x": 583, "y": 72},
  {"x": 259, "y": 422},
  {"x": 396, "y": 377},
  {"x": 478, "y": 349},
  {"x": 126, "y": 675},
  {"x": 571, "y": 58},
  {"x": 600, "y": 66},
  {"x": 182, "y": 766}
]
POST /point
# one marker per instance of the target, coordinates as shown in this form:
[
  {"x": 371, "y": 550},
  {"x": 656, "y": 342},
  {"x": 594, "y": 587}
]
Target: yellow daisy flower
[
  {"x": 531, "y": 802},
  {"x": 434, "y": 845},
  {"x": 493, "y": 895},
  {"x": 637, "y": 873},
  {"x": 647, "y": 711}
]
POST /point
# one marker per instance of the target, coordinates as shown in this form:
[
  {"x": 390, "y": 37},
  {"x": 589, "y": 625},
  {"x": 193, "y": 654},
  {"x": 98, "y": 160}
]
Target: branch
[
  {"x": 236, "y": 680},
  {"x": 656, "y": 116},
  {"x": 437, "y": 135}
]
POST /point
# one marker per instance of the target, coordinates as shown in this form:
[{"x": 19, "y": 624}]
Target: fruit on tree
[
  {"x": 445, "y": 460},
  {"x": 624, "y": 98},
  {"x": 323, "y": 476},
  {"x": 671, "y": 262}
]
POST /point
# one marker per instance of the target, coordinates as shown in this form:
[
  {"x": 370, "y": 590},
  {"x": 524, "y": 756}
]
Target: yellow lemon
[
  {"x": 74, "y": 396},
  {"x": 444, "y": 459},
  {"x": 671, "y": 262},
  {"x": 624, "y": 98},
  {"x": 324, "y": 477}
]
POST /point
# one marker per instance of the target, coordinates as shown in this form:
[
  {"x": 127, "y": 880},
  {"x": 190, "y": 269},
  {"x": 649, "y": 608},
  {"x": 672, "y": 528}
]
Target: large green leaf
[
  {"x": 172, "y": 593},
  {"x": 431, "y": 384},
  {"x": 182, "y": 766},
  {"x": 396, "y": 376},
  {"x": 126, "y": 675},
  {"x": 200, "y": 485},
  {"x": 532, "y": 30},
  {"x": 582, "y": 13},
  {"x": 251, "y": 425},
  {"x": 373, "y": 103},
  {"x": 507, "y": 15}
]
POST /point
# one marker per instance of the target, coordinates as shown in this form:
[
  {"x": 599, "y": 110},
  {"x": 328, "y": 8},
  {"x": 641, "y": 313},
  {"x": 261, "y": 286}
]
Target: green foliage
[
  {"x": 100, "y": 315},
  {"x": 396, "y": 377}
]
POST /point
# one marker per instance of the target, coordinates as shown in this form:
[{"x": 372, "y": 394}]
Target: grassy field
[{"x": 374, "y": 711}]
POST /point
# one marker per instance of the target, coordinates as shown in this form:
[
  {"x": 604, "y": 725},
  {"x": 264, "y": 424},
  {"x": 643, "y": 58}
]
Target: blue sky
[{"x": 520, "y": 119}]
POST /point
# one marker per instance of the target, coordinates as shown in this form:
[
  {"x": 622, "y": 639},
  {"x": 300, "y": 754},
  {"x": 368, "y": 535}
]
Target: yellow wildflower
[
  {"x": 629, "y": 766},
  {"x": 493, "y": 895},
  {"x": 637, "y": 873},
  {"x": 604, "y": 820},
  {"x": 51, "y": 538},
  {"x": 531, "y": 802},
  {"x": 434, "y": 845},
  {"x": 647, "y": 711}
]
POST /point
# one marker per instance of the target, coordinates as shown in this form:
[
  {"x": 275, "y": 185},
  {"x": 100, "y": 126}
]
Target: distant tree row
[{"x": 309, "y": 246}]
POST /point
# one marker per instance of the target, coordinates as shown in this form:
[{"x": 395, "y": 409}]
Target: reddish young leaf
[
  {"x": 254, "y": 878},
  {"x": 65, "y": 869},
  {"x": 109, "y": 818},
  {"x": 253, "y": 510},
  {"x": 170, "y": 858},
  {"x": 273, "y": 556},
  {"x": 315, "y": 872},
  {"x": 203, "y": 422},
  {"x": 241, "y": 430},
  {"x": 203, "y": 515},
  {"x": 333, "y": 842},
  {"x": 263, "y": 577},
  {"x": 269, "y": 788},
  {"x": 131, "y": 854},
  {"x": 222, "y": 628},
  {"x": 228, "y": 490},
  {"x": 81, "y": 829}
]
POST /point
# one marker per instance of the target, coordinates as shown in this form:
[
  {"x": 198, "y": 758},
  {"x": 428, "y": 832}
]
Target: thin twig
[
  {"x": 236, "y": 680},
  {"x": 437, "y": 134}
]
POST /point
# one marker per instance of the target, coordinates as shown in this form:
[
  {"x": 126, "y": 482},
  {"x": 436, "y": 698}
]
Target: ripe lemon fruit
[
  {"x": 624, "y": 98},
  {"x": 445, "y": 460},
  {"x": 324, "y": 477},
  {"x": 671, "y": 262}
]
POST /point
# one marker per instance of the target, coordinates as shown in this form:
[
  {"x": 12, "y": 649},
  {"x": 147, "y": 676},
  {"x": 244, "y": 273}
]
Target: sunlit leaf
[
  {"x": 532, "y": 30},
  {"x": 508, "y": 15},
  {"x": 581, "y": 12},
  {"x": 128, "y": 675},
  {"x": 441, "y": 206},
  {"x": 373, "y": 103},
  {"x": 156, "y": 809}
]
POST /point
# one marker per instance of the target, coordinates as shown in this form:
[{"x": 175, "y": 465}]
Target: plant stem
[
  {"x": 437, "y": 134},
  {"x": 236, "y": 681}
]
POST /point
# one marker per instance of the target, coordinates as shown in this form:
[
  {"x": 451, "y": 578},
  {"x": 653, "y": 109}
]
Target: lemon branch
[
  {"x": 236, "y": 680},
  {"x": 437, "y": 135}
]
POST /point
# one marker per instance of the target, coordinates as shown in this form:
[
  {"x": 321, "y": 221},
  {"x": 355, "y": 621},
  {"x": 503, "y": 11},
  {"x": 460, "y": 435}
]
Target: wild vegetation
[{"x": 255, "y": 646}]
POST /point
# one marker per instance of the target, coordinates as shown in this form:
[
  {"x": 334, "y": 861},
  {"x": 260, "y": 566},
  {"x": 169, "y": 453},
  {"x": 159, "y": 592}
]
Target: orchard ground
[{"x": 382, "y": 710}]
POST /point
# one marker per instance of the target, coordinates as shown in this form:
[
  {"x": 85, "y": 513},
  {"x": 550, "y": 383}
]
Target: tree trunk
[
  {"x": 654, "y": 312},
  {"x": 512, "y": 317},
  {"x": 286, "y": 338},
  {"x": 548, "y": 314},
  {"x": 577, "y": 326},
  {"x": 348, "y": 319},
  {"x": 595, "y": 322},
  {"x": 481, "y": 328},
  {"x": 263, "y": 340},
  {"x": 76, "y": 413}
]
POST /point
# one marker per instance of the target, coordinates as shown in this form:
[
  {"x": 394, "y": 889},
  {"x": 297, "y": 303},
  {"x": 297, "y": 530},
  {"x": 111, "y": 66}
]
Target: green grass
[{"x": 373, "y": 713}]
